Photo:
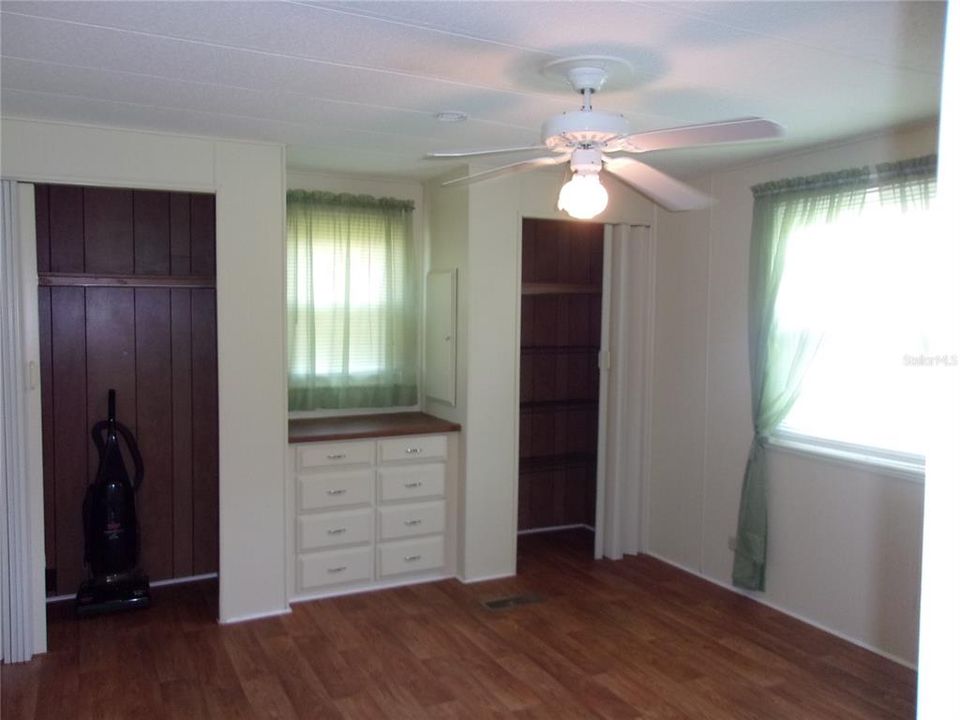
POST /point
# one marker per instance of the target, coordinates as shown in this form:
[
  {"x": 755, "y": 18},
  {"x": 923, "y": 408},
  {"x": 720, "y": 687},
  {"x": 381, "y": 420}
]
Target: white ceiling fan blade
[
  {"x": 511, "y": 168},
  {"x": 727, "y": 131},
  {"x": 477, "y": 153},
  {"x": 659, "y": 187}
]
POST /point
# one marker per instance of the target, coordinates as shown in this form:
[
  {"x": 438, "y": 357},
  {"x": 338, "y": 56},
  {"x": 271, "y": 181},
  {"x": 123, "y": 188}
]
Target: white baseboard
[
  {"x": 486, "y": 578},
  {"x": 534, "y": 531},
  {"x": 153, "y": 584},
  {"x": 254, "y": 616},
  {"x": 555, "y": 528},
  {"x": 369, "y": 587},
  {"x": 786, "y": 611},
  {"x": 181, "y": 581}
]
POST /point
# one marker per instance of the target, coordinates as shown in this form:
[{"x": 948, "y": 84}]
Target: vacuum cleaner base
[{"x": 98, "y": 596}]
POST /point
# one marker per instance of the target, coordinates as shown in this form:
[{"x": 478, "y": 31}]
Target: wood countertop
[{"x": 354, "y": 427}]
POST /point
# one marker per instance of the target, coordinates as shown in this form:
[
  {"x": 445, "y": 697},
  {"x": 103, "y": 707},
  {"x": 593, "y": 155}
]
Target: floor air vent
[{"x": 511, "y": 601}]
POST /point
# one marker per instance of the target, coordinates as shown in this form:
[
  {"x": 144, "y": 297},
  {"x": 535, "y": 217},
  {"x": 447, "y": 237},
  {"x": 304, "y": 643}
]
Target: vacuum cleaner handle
[{"x": 98, "y": 439}]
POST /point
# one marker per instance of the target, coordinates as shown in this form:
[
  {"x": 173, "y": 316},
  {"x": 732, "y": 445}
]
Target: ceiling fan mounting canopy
[
  {"x": 585, "y": 77},
  {"x": 591, "y": 72}
]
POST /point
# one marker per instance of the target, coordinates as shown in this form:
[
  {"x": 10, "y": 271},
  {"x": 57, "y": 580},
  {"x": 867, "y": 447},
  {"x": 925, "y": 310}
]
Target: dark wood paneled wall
[
  {"x": 562, "y": 276},
  {"x": 128, "y": 301}
]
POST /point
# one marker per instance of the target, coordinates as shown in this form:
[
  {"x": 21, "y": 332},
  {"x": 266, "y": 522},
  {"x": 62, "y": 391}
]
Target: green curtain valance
[
  {"x": 852, "y": 178},
  {"x": 348, "y": 200},
  {"x": 921, "y": 167}
]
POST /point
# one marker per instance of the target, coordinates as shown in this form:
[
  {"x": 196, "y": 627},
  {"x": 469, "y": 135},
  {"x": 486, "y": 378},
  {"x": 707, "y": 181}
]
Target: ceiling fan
[{"x": 586, "y": 137}]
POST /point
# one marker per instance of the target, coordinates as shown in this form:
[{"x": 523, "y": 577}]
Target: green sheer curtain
[
  {"x": 778, "y": 358},
  {"x": 352, "y": 299}
]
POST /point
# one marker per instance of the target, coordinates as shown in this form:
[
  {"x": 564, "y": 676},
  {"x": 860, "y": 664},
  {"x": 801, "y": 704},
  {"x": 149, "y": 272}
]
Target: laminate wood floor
[{"x": 631, "y": 639}]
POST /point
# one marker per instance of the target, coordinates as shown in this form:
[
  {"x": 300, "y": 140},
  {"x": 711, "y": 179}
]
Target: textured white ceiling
[{"x": 353, "y": 86}]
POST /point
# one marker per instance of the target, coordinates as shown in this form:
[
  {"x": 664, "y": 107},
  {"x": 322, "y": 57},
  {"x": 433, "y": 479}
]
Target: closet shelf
[
  {"x": 559, "y": 349},
  {"x": 132, "y": 281},
  {"x": 556, "y": 462},
  {"x": 559, "y": 288},
  {"x": 549, "y": 405}
]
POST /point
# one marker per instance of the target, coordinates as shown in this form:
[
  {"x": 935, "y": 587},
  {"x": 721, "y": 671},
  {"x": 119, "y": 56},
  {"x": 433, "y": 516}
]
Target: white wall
[
  {"x": 248, "y": 179},
  {"x": 487, "y": 247},
  {"x": 844, "y": 543},
  {"x": 445, "y": 237}
]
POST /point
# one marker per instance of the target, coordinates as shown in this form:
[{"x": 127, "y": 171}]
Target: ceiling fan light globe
[{"x": 583, "y": 197}]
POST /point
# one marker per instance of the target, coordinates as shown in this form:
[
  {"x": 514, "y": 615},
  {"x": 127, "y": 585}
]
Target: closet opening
[
  {"x": 127, "y": 302},
  {"x": 560, "y": 336}
]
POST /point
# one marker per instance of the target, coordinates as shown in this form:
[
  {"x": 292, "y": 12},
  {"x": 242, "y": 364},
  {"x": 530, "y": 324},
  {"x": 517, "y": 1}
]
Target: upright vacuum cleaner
[{"x": 112, "y": 535}]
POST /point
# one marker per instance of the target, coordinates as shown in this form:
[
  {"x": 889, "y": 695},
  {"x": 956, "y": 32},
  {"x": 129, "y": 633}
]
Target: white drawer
[
  {"x": 315, "y": 532},
  {"x": 316, "y": 455},
  {"x": 408, "y": 556},
  {"x": 335, "y": 567},
  {"x": 400, "y": 521},
  {"x": 409, "y": 482},
  {"x": 414, "y": 447},
  {"x": 335, "y": 489}
]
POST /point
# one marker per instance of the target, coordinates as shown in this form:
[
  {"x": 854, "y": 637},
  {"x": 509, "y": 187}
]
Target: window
[
  {"x": 844, "y": 312},
  {"x": 867, "y": 282},
  {"x": 351, "y": 302}
]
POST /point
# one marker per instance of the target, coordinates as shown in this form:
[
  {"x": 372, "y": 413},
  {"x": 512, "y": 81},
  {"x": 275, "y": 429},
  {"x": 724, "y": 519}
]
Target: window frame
[{"x": 906, "y": 466}]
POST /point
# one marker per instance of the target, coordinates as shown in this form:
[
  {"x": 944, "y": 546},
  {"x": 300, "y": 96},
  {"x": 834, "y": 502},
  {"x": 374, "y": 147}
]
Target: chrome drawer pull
[
  {"x": 411, "y": 523},
  {"x": 337, "y": 569},
  {"x": 411, "y": 558},
  {"x": 336, "y": 456},
  {"x": 336, "y": 531},
  {"x": 413, "y": 484},
  {"x": 414, "y": 451},
  {"x": 338, "y": 491}
]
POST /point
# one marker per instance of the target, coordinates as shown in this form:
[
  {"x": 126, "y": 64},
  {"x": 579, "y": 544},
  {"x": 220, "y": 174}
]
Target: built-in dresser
[{"x": 373, "y": 503}]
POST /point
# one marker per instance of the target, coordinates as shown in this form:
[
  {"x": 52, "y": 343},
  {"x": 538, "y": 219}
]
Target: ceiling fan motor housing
[{"x": 583, "y": 129}]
